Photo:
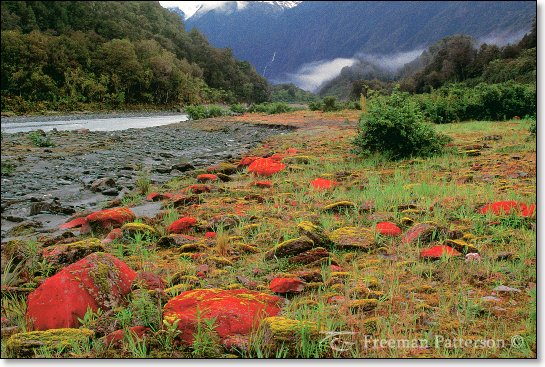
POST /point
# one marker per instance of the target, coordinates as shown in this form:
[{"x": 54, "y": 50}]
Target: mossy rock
[
  {"x": 247, "y": 248},
  {"x": 223, "y": 177},
  {"x": 339, "y": 206},
  {"x": 315, "y": 233},
  {"x": 224, "y": 167},
  {"x": 310, "y": 256},
  {"x": 66, "y": 254},
  {"x": 220, "y": 261},
  {"x": 289, "y": 248},
  {"x": 179, "y": 288},
  {"x": 130, "y": 229},
  {"x": 23, "y": 345},
  {"x": 472, "y": 152},
  {"x": 362, "y": 305},
  {"x": 461, "y": 246},
  {"x": 406, "y": 221},
  {"x": 353, "y": 238},
  {"x": 193, "y": 247},
  {"x": 340, "y": 274},
  {"x": 249, "y": 228},
  {"x": 174, "y": 240},
  {"x": 280, "y": 330},
  {"x": 413, "y": 211}
]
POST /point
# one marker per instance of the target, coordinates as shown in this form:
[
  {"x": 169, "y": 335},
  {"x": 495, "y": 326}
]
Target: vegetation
[
  {"x": 290, "y": 93},
  {"x": 199, "y": 112},
  {"x": 71, "y": 55},
  {"x": 270, "y": 108},
  {"x": 394, "y": 126}
]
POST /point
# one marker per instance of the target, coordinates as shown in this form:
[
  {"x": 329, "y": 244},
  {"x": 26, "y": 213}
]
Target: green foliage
[
  {"x": 206, "y": 343},
  {"x": 270, "y": 108},
  {"x": 237, "y": 108},
  {"x": 8, "y": 168},
  {"x": 329, "y": 104},
  {"x": 315, "y": 106},
  {"x": 395, "y": 127},
  {"x": 290, "y": 93},
  {"x": 40, "y": 139},
  {"x": 533, "y": 128},
  {"x": 75, "y": 55},
  {"x": 145, "y": 310},
  {"x": 199, "y": 112}
]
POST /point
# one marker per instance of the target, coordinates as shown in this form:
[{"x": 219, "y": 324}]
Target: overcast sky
[{"x": 190, "y": 7}]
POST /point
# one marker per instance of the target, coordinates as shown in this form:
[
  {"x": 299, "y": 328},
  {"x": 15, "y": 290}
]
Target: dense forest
[
  {"x": 453, "y": 59},
  {"x": 91, "y": 54}
]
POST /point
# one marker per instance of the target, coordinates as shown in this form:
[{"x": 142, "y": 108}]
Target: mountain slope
[{"x": 315, "y": 31}]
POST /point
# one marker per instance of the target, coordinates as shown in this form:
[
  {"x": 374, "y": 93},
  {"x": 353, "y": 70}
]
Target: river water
[{"x": 93, "y": 123}]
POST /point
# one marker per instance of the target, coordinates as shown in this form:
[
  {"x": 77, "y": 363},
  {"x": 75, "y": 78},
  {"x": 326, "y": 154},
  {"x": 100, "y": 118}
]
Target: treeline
[{"x": 65, "y": 55}]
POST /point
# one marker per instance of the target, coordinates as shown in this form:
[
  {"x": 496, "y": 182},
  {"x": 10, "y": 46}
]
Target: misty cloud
[
  {"x": 310, "y": 76},
  {"x": 391, "y": 62},
  {"x": 502, "y": 39}
]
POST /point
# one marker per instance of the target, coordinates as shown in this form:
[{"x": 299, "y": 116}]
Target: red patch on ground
[
  {"x": 182, "y": 225},
  {"x": 98, "y": 280},
  {"x": 291, "y": 151},
  {"x": 78, "y": 222},
  {"x": 115, "y": 338},
  {"x": 266, "y": 167},
  {"x": 506, "y": 207},
  {"x": 210, "y": 235},
  {"x": 322, "y": 184},
  {"x": 196, "y": 189},
  {"x": 277, "y": 157},
  {"x": 149, "y": 280},
  {"x": 155, "y": 196},
  {"x": 414, "y": 233},
  {"x": 263, "y": 184},
  {"x": 437, "y": 252},
  {"x": 287, "y": 285},
  {"x": 206, "y": 177},
  {"x": 237, "y": 312},
  {"x": 111, "y": 218},
  {"x": 335, "y": 268},
  {"x": 388, "y": 229}
]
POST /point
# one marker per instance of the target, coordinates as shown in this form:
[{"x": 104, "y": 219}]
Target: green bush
[
  {"x": 315, "y": 106},
  {"x": 270, "y": 108},
  {"x": 40, "y": 139},
  {"x": 237, "y": 108},
  {"x": 202, "y": 112},
  {"x": 395, "y": 127},
  {"x": 329, "y": 104}
]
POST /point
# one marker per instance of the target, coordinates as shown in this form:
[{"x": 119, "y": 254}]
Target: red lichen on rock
[
  {"x": 113, "y": 235},
  {"x": 263, "y": 184},
  {"x": 388, "y": 229},
  {"x": 111, "y": 218},
  {"x": 266, "y": 167},
  {"x": 97, "y": 281},
  {"x": 287, "y": 285},
  {"x": 207, "y": 177},
  {"x": 323, "y": 184},
  {"x": 506, "y": 207},
  {"x": 438, "y": 252},
  {"x": 246, "y": 161},
  {"x": 196, "y": 189},
  {"x": 115, "y": 338},
  {"x": 237, "y": 312},
  {"x": 182, "y": 225}
]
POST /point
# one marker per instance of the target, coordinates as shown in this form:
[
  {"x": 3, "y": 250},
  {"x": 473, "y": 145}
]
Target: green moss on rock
[{"x": 25, "y": 344}]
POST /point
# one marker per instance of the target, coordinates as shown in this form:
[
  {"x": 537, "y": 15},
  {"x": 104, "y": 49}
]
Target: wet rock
[
  {"x": 28, "y": 226},
  {"x": 353, "y": 238},
  {"x": 97, "y": 281},
  {"x": 24, "y": 345},
  {"x": 287, "y": 285},
  {"x": 237, "y": 312},
  {"x": 155, "y": 196},
  {"x": 102, "y": 184},
  {"x": 182, "y": 167},
  {"x": 52, "y": 206},
  {"x": 290, "y": 248}
]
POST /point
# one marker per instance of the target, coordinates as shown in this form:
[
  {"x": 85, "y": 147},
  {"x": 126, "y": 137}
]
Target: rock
[
  {"x": 111, "y": 192},
  {"x": 310, "y": 276},
  {"x": 437, "y": 252},
  {"x": 180, "y": 200},
  {"x": 24, "y": 345},
  {"x": 97, "y": 281},
  {"x": 207, "y": 177},
  {"x": 491, "y": 299},
  {"x": 473, "y": 257},
  {"x": 265, "y": 167},
  {"x": 112, "y": 236},
  {"x": 287, "y": 285},
  {"x": 196, "y": 189},
  {"x": 148, "y": 280},
  {"x": 339, "y": 207},
  {"x": 223, "y": 177},
  {"x": 299, "y": 159},
  {"x": 263, "y": 184},
  {"x": 102, "y": 184},
  {"x": 281, "y": 331},
  {"x": 506, "y": 289},
  {"x": 472, "y": 152},
  {"x": 224, "y": 168},
  {"x": 290, "y": 248},
  {"x": 115, "y": 338},
  {"x": 65, "y": 254},
  {"x": 506, "y": 207},
  {"x": 462, "y": 246},
  {"x": 104, "y": 219},
  {"x": 492, "y": 137},
  {"x": 223, "y": 221},
  {"x": 246, "y": 161},
  {"x": 250, "y": 284},
  {"x": 182, "y": 167},
  {"x": 175, "y": 240},
  {"x": 315, "y": 233},
  {"x": 310, "y": 256},
  {"x": 353, "y": 238},
  {"x": 131, "y": 229},
  {"x": 182, "y": 225},
  {"x": 237, "y": 312},
  {"x": 388, "y": 229},
  {"x": 323, "y": 184},
  {"x": 52, "y": 206},
  {"x": 155, "y": 196},
  {"x": 423, "y": 232}
]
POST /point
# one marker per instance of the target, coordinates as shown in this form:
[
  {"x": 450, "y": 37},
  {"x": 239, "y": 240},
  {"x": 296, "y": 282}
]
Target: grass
[{"x": 420, "y": 300}]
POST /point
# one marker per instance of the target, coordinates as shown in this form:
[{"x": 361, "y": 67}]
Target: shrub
[
  {"x": 329, "y": 104},
  {"x": 237, "y": 108},
  {"x": 202, "y": 112},
  {"x": 315, "y": 106},
  {"x": 270, "y": 108},
  {"x": 395, "y": 127},
  {"x": 40, "y": 139}
]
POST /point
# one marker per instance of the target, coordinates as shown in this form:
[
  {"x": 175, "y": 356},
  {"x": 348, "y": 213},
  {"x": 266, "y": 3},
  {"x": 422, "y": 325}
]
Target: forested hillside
[{"x": 65, "y": 55}]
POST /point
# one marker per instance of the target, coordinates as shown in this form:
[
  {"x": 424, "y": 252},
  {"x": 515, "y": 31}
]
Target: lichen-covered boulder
[
  {"x": 507, "y": 207},
  {"x": 423, "y": 232},
  {"x": 310, "y": 256},
  {"x": 438, "y": 252},
  {"x": 236, "y": 312},
  {"x": 266, "y": 167},
  {"x": 23, "y": 345},
  {"x": 323, "y": 184},
  {"x": 353, "y": 238},
  {"x": 175, "y": 240},
  {"x": 339, "y": 206},
  {"x": 196, "y": 189},
  {"x": 131, "y": 229},
  {"x": 287, "y": 285},
  {"x": 246, "y": 161},
  {"x": 182, "y": 225},
  {"x": 315, "y": 233},
  {"x": 461, "y": 246},
  {"x": 97, "y": 281},
  {"x": 102, "y": 220},
  {"x": 290, "y": 248},
  {"x": 224, "y": 168},
  {"x": 280, "y": 330},
  {"x": 65, "y": 254},
  {"x": 388, "y": 229},
  {"x": 207, "y": 177}
]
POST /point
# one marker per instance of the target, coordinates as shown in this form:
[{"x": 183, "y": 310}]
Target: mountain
[{"x": 279, "y": 41}]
